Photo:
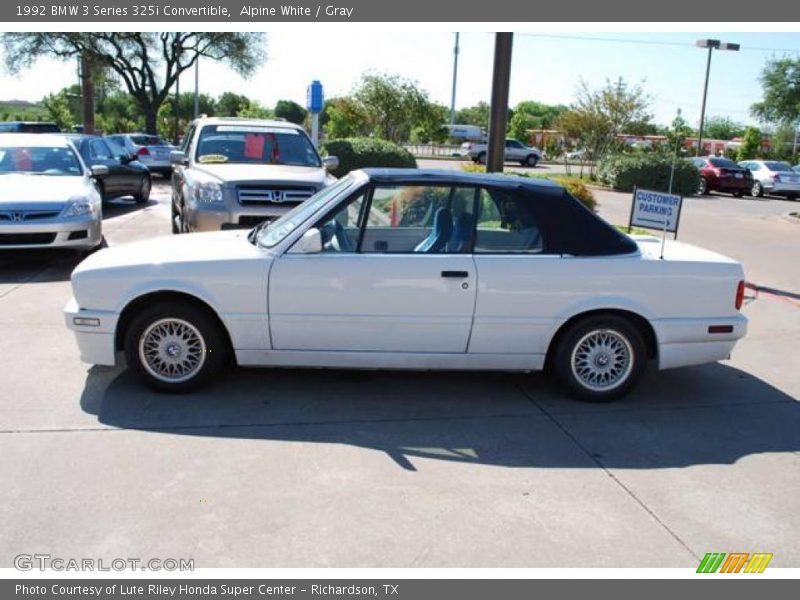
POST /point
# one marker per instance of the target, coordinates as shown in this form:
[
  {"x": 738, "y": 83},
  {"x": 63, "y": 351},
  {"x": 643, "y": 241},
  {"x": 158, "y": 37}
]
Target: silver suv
[{"x": 232, "y": 173}]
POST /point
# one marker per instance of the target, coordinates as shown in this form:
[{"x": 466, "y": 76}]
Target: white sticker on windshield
[{"x": 255, "y": 129}]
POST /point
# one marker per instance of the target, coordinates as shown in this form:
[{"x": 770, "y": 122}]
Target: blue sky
[{"x": 546, "y": 67}]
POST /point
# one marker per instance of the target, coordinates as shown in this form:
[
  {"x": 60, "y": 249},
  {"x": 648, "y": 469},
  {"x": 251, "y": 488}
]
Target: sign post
[{"x": 315, "y": 102}]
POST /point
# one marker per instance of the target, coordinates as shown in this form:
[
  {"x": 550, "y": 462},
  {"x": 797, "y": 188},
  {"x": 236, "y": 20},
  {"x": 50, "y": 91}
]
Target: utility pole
[
  {"x": 499, "y": 111},
  {"x": 197, "y": 87},
  {"x": 176, "y": 135},
  {"x": 87, "y": 94},
  {"x": 455, "y": 78}
]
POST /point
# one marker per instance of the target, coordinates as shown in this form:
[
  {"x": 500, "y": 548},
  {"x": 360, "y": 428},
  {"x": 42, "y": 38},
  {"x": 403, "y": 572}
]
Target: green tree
[
  {"x": 722, "y": 128},
  {"x": 147, "y": 63},
  {"x": 344, "y": 118},
  {"x": 751, "y": 144},
  {"x": 780, "y": 80},
  {"x": 432, "y": 125},
  {"x": 782, "y": 143},
  {"x": 393, "y": 105},
  {"x": 546, "y": 114},
  {"x": 57, "y": 107},
  {"x": 256, "y": 110},
  {"x": 474, "y": 115},
  {"x": 230, "y": 104},
  {"x": 520, "y": 123},
  {"x": 599, "y": 116},
  {"x": 676, "y": 135},
  {"x": 291, "y": 111}
]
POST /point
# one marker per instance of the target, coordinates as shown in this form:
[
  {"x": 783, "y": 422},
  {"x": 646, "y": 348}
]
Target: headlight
[
  {"x": 78, "y": 208},
  {"x": 207, "y": 192}
]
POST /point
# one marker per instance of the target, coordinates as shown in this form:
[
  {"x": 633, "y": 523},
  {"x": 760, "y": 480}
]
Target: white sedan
[
  {"x": 48, "y": 196},
  {"x": 412, "y": 269}
]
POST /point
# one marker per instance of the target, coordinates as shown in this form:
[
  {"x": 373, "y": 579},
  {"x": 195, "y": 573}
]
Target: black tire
[
  {"x": 791, "y": 197},
  {"x": 757, "y": 191},
  {"x": 621, "y": 334},
  {"x": 175, "y": 217},
  {"x": 702, "y": 187},
  {"x": 531, "y": 161},
  {"x": 482, "y": 158},
  {"x": 203, "y": 346},
  {"x": 142, "y": 195}
]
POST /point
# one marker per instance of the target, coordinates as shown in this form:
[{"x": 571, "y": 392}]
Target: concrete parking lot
[{"x": 289, "y": 468}]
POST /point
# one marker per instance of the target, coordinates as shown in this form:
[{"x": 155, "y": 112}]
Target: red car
[{"x": 722, "y": 175}]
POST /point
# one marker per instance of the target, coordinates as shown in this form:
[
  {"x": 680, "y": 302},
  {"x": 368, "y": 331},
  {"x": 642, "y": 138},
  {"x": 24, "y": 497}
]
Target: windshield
[
  {"x": 723, "y": 163},
  {"x": 254, "y": 144},
  {"x": 777, "y": 166},
  {"x": 148, "y": 140},
  {"x": 39, "y": 160},
  {"x": 276, "y": 231}
]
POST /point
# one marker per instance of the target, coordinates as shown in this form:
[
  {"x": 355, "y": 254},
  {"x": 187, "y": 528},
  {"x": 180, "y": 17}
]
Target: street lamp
[{"x": 711, "y": 45}]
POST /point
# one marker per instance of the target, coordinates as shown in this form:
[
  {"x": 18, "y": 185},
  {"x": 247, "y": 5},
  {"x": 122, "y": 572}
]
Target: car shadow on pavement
[
  {"x": 38, "y": 266},
  {"x": 118, "y": 207},
  {"x": 704, "y": 415}
]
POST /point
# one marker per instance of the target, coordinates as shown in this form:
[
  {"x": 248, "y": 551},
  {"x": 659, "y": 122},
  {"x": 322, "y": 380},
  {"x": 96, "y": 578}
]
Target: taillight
[
  {"x": 739, "y": 295},
  {"x": 143, "y": 151},
  {"x": 776, "y": 177}
]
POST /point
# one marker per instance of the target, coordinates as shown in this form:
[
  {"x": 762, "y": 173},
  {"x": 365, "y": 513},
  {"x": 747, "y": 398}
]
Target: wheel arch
[
  {"x": 135, "y": 305},
  {"x": 641, "y": 323}
]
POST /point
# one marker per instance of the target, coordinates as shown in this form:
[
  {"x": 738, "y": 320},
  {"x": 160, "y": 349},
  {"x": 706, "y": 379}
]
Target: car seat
[{"x": 440, "y": 233}]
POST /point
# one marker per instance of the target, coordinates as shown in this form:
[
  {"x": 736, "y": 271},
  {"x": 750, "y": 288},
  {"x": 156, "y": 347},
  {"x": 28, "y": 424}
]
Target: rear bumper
[
  {"x": 687, "y": 342},
  {"x": 782, "y": 189},
  {"x": 94, "y": 331},
  {"x": 734, "y": 184}
]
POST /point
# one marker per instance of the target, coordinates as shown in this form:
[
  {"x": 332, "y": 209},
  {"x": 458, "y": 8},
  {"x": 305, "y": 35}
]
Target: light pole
[
  {"x": 711, "y": 45},
  {"x": 455, "y": 77},
  {"x": 197, "y": 87}
]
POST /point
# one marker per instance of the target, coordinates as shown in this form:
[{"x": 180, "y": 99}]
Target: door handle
[{"x": 455, "y": 274}]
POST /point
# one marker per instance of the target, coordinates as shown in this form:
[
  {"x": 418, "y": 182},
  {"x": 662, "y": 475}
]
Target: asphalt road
[{"x": 338, "y": 468}]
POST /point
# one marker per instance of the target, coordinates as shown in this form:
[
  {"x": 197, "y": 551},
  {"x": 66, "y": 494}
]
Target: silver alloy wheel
[
  {"x": 172, "y": 350},
  {"x": 602, "y": 360},
  {"x": 756, "y": 191},
  {"x": 701, "y": 189}
]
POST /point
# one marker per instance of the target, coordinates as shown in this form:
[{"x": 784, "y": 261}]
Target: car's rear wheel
[
  {"x": 757, "y": 191},
  {"x": 175, "y": 347},
  {"x": 142, "y": 195},
  {"x": 702, "y": 188},
  {"x": 531, "y": 160},
  {"x": 599, "y": 359}
]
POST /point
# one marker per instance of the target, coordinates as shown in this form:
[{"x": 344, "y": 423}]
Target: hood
[
  {"x": 234, "y": 173},
  {"x": 19, "y": 189},
  {"x": 172, "y": 250}
]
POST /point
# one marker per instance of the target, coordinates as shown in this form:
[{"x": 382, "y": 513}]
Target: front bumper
[
  {"x": 214, "y": 217},
  {"x": 95, "y": 332},
  {"x": 79, "y": 233}
]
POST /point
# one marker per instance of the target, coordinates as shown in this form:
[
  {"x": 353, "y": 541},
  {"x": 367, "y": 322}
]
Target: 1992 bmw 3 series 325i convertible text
[{"x": 412, "y": 269}]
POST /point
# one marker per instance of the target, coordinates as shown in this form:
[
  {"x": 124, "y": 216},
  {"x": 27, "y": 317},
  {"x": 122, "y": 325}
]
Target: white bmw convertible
[{"x": 412, "y": 269}]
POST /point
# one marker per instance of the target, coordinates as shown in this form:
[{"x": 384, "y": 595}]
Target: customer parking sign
[{"x": 655, "y": 210}]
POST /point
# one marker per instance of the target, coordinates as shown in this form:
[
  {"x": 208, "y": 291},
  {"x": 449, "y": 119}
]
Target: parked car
[
  {"x": 579, "y": 154},
  {"x": 412, "y": 269},
  {"x": 719, "y": 174},
  {"x": 773, "y": 177},
  {"x": 125, "y": 176},
  {"x": 48, "y": 196},
  {"x": 233, "y": 173},
  {"x": 28, "y": 127},
  {"x": 516, "y": 151},
  {"x": 153, "y": 151}
]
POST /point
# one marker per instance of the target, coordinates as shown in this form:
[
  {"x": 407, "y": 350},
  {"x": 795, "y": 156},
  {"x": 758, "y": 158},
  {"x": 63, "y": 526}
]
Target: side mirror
[
  {"x": 178, "y": 157},
  {"x": 98, "y": 170},
  {"x": 331, "y": 163},
  {"x": 309, "y": 243}
]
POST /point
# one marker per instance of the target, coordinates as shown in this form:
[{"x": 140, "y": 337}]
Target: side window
[
  {"x": 419, "y": 219},
  {"x": 340, "y": 229},
  {"x": 506, "y": 224},
  {"x": 117, "y": 150},
  {"x": 98, "y": 150}
]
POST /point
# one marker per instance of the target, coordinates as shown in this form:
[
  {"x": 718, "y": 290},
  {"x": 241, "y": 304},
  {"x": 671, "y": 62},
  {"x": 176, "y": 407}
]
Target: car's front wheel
[
  {"x": 599, "y": 359},
  {"x": 175, "y": 347},
  {"x": 482, "y": 158},
  {"x": 531, "y": 160}
]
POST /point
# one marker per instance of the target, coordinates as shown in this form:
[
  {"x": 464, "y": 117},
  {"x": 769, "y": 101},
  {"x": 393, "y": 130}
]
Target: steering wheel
[{"x": 345, "y": 245}]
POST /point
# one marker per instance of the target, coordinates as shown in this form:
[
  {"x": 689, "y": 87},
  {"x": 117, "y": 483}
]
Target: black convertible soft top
[{"x": 570, "y": 227}]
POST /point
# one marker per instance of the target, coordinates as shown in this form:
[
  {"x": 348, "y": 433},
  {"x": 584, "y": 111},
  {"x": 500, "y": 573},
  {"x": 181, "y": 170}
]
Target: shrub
[
  {"x": 623, "y": 172},
  {"x": 574, "y": 186},
  {"x": 359, "y": 153}
]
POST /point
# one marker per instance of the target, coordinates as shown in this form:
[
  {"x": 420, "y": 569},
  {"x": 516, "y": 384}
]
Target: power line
[{"x": 583, "y": 38}]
